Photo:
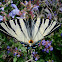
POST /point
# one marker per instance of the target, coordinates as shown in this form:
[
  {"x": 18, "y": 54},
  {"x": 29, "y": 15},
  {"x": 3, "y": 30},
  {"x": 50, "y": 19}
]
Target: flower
[
  {"x": 11, "y": 1},
  {"x": 8, "y": 47},
  {"x": 15, "y": 53},
  {"x": 35, "y": 8},
  {"x": 14, "y": 12},
  {"x": 51, "y": 48},
  {"x": 14, "y": 6},
  {"x": 35, "y": 56},
  {"x": 33, "y": 53},
  {"x": 47, "y": 50},
  {"x": 43, "y": 42},
  {"x": 2, "y": 8},
  {"x": 60, "y": 9},
  {"x": 1, "y": 18},
  {"x": 49, "y": 16},
  {"x": 36, "y": 59},
  {"x": 16, "y": 48},
  {"x": 46, "y": 45},
  {"x": 20, "y": 50},
  {"x": 8, "y": 51},
  {"x": 18, "y": 55},
  {"x": 0, "y": 3},
  {"x": 61, "y": 34}
]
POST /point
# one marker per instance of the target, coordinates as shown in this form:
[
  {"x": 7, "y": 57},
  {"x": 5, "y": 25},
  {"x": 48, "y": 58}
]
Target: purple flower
[
  {"x": 51, "y": 48},
  {"x": 20, "y": 50},
  {"x": 44, "y": 49},
  {"x": 52, "y": 61},
  {"x": 55, "y": 14},
  {"x": 15, "y": 53},
  {"x": 11, "y": 1},
  {"x": 43, "y": 42},
  {"x": 47, "y": 46},
  {"x": 35, "y": 8},
  {"x": 16, "y": 48},
  {"x": 36, "y": 59},
  {"x": 60, "y": 9},
  {"x": 54, "y": 0},
  {"x": 14, "y": 12},
  {"x": 2, "y": 8},
  {"x": 8, "y": 51},
  {"x": 49, "y": 16},
  {"x": 33, "y": 52},
  {"x": 61, "y": 34},
  {"x": 1, "y": 18},
  {"x": 0, "y": 3},
  {"x": 35, "y": 56},
  {"x": 46, "y": 1},
  {"x": 47, "y": 50},
  {"x": 8, "y": 47},
  {"x": 3, "y": 0},
  {"x": 18, "y": 55},
  {"x": 47, "y": 41},
  {"x": 14, "y": 6}
]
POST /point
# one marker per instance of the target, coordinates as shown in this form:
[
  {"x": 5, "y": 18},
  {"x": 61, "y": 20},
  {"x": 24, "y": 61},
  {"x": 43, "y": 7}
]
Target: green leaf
[
  {"x": 14, "y": 59},
  {"x": 1, "y": 55},
  {"x": 23, "y": 48}
]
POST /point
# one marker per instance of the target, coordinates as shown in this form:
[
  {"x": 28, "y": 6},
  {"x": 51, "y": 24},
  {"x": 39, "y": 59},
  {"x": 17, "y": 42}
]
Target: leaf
[
  {"x": 1, "y": 55},
  {"x": 14, "y": 59},
  {"x": 23, "y": 48}
]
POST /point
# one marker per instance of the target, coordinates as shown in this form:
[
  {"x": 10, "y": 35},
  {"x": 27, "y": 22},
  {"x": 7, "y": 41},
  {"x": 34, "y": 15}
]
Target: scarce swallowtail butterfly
[{"x": 30, "y": 31}]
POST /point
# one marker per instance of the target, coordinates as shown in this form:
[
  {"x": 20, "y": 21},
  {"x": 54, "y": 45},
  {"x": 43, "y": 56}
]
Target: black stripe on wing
[
  {"x": 57, "y": 25},
  {"x": 18, "y": 21},
  {"x": 3, "y": 30},
  {"x": 10, "y": 26}
]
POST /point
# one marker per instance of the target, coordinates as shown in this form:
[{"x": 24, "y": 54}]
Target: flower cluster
[
  {"x": 35, "y": 56},
  {"x": 47, "y": 45},
  {"x": 15, "y": 51},
  {"x": 31, "y": 9},
  {"x": 28, "y": 9}
]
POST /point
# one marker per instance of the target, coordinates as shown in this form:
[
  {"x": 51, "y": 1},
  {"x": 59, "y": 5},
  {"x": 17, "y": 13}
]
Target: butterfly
[{"x": 29, "y": 32}]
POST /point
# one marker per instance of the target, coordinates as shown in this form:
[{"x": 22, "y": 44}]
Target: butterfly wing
[
  {"x": 42, "y": 28},
  {"x": 17, "y": 30}
]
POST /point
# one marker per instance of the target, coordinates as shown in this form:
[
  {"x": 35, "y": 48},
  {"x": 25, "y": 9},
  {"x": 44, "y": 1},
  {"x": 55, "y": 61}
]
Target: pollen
[{"x": 30, "y": 41}]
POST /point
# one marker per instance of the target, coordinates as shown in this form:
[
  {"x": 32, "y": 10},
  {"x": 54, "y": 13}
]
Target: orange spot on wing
[{"x": 30, "y": 41}]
